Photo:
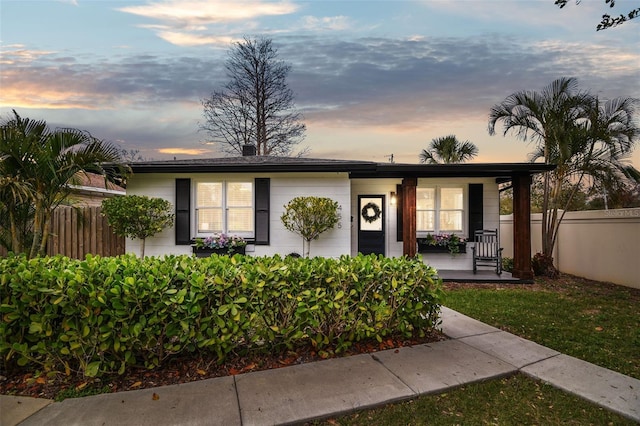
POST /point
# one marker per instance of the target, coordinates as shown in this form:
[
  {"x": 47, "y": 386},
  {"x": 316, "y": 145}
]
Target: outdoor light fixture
[{"x": 393, "y": 199}]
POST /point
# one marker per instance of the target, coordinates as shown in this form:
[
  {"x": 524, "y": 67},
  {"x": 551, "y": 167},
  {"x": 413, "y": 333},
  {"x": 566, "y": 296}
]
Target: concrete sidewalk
[{"x": 304, "y": 392}]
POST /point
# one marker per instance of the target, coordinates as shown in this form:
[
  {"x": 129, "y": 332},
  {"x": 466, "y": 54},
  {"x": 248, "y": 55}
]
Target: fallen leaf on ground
[
  {"x": 136, "y": 384},
  {"x": 155, "y": 396}
]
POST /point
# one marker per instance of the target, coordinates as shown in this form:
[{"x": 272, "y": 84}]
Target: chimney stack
[{"x": 248, "y": 150}]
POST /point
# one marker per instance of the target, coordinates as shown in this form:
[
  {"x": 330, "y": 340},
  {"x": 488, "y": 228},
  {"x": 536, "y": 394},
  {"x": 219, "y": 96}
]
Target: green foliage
[
  {"x": 450, "y": 241},
  {"x": 310, "y": 216},
  {"x": 507, "y": 264},
  {"x": 585, "y": 138},
  {"x": 37, "y": 169},
  {"x": 101, "y": 315},
  {"x": 448, "y": 150},
  {"x": 136, "y": 216}
]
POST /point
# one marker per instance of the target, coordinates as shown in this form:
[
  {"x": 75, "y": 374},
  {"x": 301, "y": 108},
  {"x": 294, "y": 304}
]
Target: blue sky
[{"x": 372, "y": 78}]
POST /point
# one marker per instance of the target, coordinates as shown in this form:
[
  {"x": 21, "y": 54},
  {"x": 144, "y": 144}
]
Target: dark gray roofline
[
  {"x": 255, "y": 164},
  {"x": 356, "y": 169},
  {"x": 497, "y": 170}
]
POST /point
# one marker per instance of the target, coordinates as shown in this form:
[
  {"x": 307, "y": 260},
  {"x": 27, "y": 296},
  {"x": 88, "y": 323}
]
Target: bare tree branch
[{"x": 256, "y": 107}]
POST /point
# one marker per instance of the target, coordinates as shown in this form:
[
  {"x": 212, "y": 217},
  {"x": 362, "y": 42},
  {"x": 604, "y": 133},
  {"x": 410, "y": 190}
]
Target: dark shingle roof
[
  {"x": 356, "y": 169},
  {"x": 253, "y": 163}
]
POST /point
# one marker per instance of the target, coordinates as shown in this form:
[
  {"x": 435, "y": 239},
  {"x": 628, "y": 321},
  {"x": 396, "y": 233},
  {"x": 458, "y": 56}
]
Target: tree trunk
[
  {"x": 16, "y": 244},
  {"x": 37, "y": 229},
  {"x": 46, "y": 226}
]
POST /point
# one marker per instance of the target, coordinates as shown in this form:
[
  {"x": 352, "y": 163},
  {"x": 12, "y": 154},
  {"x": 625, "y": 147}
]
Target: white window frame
[
  {"x": 422, "y": 233},
  {"x": 225, "y": 208}
]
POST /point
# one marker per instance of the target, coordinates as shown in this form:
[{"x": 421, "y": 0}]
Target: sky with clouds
[{"x": 372, "y": 78}]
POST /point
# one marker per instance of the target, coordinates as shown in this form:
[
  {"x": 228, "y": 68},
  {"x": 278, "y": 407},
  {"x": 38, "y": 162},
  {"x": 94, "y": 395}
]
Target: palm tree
[
  {"x": 40, "y": 165},
  {"x": 448, "y": 150},
  {"x": 575, "y": 131}
]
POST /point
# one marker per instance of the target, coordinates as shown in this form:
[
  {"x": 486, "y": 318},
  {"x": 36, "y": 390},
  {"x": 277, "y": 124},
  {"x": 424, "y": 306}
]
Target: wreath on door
[{"x": 369, "y": 218}]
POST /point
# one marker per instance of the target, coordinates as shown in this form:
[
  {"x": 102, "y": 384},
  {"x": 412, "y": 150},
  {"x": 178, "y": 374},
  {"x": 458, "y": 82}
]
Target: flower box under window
[
  {"x": 427, "y": 248},
  {"x": 206, "y": 251},
  {"x": 442, "y": 243}
]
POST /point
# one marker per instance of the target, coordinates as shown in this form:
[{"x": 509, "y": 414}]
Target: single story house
[{"x": 384, "y": 207}]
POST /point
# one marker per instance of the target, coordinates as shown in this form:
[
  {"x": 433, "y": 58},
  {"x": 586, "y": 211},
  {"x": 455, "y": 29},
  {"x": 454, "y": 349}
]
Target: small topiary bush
[{"x": 101, "y": 315}]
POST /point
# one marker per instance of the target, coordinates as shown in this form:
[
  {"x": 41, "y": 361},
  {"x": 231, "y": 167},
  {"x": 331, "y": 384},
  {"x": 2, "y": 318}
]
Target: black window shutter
[
  {"x": 183, "y": 214},
  {"x": 262, "y": 210},
  {"x": 476, "y": 208},
  {"x": 398, "y": 212}
]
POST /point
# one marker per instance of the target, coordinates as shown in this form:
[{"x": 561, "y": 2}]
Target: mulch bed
[{"x": 183, "y": 369}]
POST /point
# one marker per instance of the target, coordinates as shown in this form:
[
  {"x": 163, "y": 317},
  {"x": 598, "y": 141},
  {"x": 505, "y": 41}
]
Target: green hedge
[{"x": 100, "y": 315}]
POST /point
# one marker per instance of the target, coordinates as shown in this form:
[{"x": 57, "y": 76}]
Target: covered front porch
[{"x": 518, "y": 175}]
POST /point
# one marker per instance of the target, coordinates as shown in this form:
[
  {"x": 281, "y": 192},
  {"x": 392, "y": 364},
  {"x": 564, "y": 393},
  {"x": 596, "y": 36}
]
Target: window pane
[
  {"x": 239, "y": 194},
  {"x": 451, "y": 199},
  {"x": 209, "y": 194},
  {"x": 209, "y": 220},
  {"x": 240, "y": 220},
  {"x": 425, "y": 220},
  {"x": 425, "y": 198},
  {"x": 450, "y": 221}
]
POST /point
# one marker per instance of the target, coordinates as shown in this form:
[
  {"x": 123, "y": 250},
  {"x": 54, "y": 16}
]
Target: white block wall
[{"x": 601, "y": 245}]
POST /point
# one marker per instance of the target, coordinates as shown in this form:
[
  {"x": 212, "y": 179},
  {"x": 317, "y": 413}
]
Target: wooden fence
[{"x": 76, "y": 232}]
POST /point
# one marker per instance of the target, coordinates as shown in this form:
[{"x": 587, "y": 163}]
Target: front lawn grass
[
  {"x": 596, "y": 322},
  {"x": 515, "y": 400}
]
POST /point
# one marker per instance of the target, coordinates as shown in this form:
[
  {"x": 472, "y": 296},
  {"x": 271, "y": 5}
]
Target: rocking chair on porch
[{"x": 487, "y": 250}]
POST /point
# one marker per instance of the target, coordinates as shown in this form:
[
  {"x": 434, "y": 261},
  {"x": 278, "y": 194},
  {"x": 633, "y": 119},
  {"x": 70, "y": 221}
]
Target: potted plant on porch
[{"x": 220, "y": 244}]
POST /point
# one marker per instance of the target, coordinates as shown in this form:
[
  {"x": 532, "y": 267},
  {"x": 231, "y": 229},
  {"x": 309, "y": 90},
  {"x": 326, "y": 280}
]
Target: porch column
[
  {"x": 522, "y": 227},
  {"x": 409, "y": 216}
]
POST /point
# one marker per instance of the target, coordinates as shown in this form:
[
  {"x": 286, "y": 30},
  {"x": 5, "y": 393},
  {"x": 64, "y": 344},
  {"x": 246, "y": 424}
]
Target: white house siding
[
  {"x": 283, "y": 188},
  {"x": 491, "y": 220}
]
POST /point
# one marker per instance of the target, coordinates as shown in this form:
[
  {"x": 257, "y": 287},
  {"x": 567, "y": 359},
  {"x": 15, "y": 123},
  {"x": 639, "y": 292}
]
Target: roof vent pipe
[{"x": 248, "y": 150}]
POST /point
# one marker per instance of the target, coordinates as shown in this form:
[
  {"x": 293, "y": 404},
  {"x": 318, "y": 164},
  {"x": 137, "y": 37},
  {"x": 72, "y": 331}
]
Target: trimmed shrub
[
  {"x": 101, "y": 315},
  {"x": 507, "y": 264}
]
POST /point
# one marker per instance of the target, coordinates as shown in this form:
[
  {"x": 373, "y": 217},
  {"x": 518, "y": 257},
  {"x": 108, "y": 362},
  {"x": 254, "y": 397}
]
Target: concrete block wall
[{"x": 602, "y": 245}]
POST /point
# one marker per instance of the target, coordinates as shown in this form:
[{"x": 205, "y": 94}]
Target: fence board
[{"x": 76, "y": 232}]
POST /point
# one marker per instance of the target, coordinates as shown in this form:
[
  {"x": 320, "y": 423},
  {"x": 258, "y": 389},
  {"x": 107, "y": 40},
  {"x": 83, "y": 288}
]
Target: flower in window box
[
  {"x": 221, "y": 243},
  {"x": 451, "y": 241}
]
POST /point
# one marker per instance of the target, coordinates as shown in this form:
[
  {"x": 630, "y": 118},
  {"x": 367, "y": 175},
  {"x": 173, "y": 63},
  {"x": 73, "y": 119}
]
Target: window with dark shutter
[
  {"x": 262, "y": 211},
  {"x": 476, "y": 208},
  {"x": 183, "y": 204}
]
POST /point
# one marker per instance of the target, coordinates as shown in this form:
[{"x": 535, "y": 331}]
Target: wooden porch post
[
  {"x": 522, "y": 227},
  {"x": 409, "y": 216}
]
